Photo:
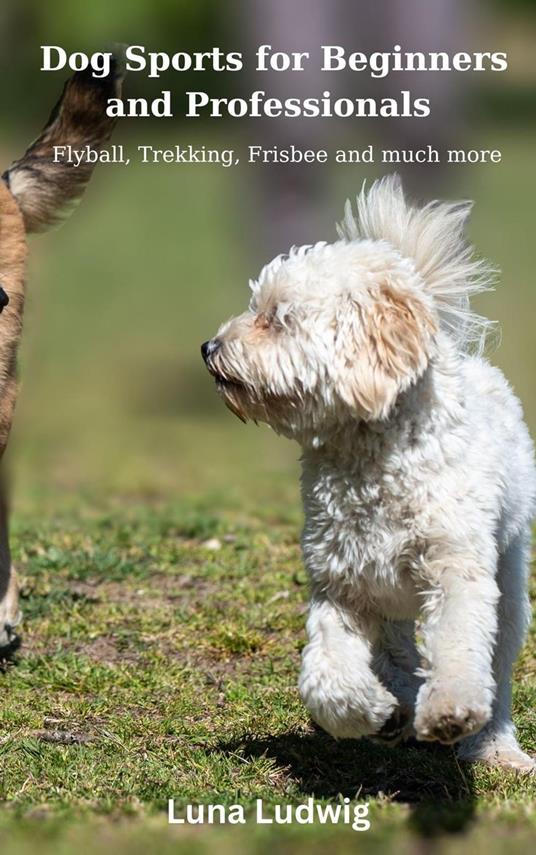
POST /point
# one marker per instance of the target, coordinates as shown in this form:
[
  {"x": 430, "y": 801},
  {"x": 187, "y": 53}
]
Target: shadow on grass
[{"x": 429, "y": 778}]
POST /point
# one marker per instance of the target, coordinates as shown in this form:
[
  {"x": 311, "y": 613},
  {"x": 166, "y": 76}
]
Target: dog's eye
[{"x": 266, "y": 320}]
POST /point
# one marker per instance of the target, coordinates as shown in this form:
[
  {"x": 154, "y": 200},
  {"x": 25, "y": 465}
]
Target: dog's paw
[
  {"x": 346, "y": 708},
  {"x": 8, "y": 623},
  {"x": 508, "y": 759},
  {"x": 9, "y": 640},
  {"x": 444, "y": 716},
  {"x": 497, "y": 749},
  {"x": 516, "y": 761},
  {"x": 10, "y": 614}
]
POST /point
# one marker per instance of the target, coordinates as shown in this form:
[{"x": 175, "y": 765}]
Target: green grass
[
  {"x": 157, "y": 542},
  {"x": 160, "y": 655}
]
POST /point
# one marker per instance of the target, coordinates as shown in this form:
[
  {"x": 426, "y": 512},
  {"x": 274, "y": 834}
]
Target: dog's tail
[
  {"x": 433, "y": 238},
  {"x": 45, "y": 186}
]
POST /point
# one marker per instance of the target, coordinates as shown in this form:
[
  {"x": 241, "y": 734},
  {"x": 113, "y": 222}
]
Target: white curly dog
[{"x": 418, "y": 474}]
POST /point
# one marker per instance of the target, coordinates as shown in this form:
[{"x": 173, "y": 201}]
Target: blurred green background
[
  {"x": 114, "y": 392},
  {"x": 113, "y": 387}
]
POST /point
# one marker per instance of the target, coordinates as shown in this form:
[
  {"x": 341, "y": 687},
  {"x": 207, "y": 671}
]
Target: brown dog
[{"x": 34, "y": 194}]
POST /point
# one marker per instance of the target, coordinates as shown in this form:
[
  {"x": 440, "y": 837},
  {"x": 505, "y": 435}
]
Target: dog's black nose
[
  {"x": 4, "y": 299},
  {"x": 210, "y": 347}
]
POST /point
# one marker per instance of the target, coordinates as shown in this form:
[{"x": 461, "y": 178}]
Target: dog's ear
[
  {"x": 386, "y": 347},
  {"x": 44, "y": 187}
]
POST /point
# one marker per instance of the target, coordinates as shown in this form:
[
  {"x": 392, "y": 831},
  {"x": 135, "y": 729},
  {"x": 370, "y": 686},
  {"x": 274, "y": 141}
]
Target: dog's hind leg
[
  {"x": 337, "y": 683},
  {"x": 496, "y": 743},
  {"x": 396, "y": 662}
]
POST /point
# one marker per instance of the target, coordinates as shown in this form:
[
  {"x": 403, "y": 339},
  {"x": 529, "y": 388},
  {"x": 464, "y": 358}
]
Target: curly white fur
[{"x": 418, "y": 474}]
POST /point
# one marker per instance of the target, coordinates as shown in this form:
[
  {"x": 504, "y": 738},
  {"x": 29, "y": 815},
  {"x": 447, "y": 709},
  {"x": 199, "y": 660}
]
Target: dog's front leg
[
  {"x": 458, "y": 634},
  {"x": 337, "y": 684},
  {"x": 9, "y": 596}
]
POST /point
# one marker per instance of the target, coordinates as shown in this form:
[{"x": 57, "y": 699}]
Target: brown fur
[
  {"x": 12, "y": 268},
  {"x": 12, "y": 264},
  {"x": 399, "y": 335},
  {"x": 34, "y": 193}
]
